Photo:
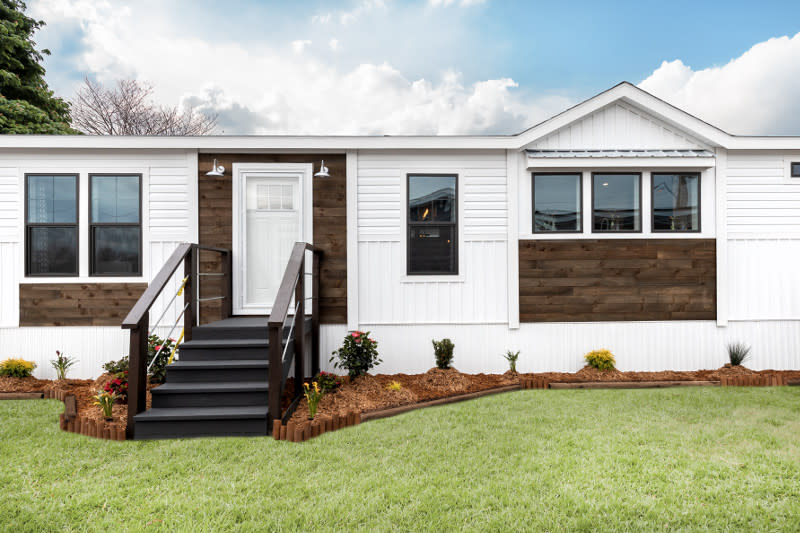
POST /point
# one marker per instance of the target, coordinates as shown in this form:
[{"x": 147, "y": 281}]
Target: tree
[
  {"x": 128, "y": 109},
  {"x": 27, "y": 105}
]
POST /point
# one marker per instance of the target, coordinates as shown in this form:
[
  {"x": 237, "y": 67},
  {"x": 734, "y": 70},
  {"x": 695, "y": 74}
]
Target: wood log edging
[
  {"x": 301, "y": 432},
  {"x": 73, "y": 422}
]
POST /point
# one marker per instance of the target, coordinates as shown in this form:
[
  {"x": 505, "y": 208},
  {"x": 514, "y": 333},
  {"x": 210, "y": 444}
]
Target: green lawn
[{"x": 722, "y": 459}]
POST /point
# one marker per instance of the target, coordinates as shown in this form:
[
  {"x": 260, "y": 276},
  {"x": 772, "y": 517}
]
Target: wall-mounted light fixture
[
  {"x": 323, "y": 171},
  {"x": 216, "y": 170}
]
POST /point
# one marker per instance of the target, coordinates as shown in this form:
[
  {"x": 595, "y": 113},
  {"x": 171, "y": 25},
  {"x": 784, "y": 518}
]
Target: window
[
  {"x": 51, "y": 225},
  {"x": 556, "y": 203},
  {"x": 432, "y": 225},
  {"x": 676, "y": 202},
  {"x": 616, "y": 203},
  {"x": 115, "y": 231},
  {"x": 795, "y": 169}
]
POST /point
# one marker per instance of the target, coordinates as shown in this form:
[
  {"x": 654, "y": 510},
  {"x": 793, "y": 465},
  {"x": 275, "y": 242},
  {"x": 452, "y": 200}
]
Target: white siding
[
  {"x": 478, "y": 293},
  {"x": 617, "y": 126}
]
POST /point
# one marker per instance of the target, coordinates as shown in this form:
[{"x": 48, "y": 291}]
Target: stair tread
[
  {"x": 225, "y": 343},
  {"x": 211, "y": 386},
  {"x": 201, "y": 413},
  {"x": 227, "y": 363}
]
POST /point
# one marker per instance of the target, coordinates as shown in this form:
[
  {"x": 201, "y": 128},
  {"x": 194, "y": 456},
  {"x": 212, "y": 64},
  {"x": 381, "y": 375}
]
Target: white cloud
[
  {"x": 348, "y": 17},
  {"x": 300, "y": 45},
  {"x": 753, "y": 94},
  {"x": 334, "y": 44},
  {"x": 258, "y": 88},
  {"x": 462, "y": 3}
]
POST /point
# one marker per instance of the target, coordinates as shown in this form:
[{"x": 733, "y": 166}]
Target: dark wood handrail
[
  {"x": 154, "y": 288},
  {"x": 292, "y": 285},
  {"x": 280, "y": 308}
]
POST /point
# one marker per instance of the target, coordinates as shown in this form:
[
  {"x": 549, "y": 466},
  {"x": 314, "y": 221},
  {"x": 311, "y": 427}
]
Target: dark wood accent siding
[
  {"x": 617, "y": 279},
  {"x": 76, "y": 304},
  {"x": 330, "y": 226}
]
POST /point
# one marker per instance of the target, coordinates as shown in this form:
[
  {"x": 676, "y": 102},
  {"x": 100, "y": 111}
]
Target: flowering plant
[
  {"x": 162, "y": 347},
  {"x": 358, "y": 354},
  {"x": 62, "y": 363},
  {"x": 328, "y": 382},
  {"x": 313, "y": 394},
  {"x": 118, "y": 386},
  {"x": 105, "y": 400}
]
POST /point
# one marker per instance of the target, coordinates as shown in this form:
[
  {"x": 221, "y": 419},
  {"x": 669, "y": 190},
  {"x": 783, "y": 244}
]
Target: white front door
[{"x": 271, "y": 213}]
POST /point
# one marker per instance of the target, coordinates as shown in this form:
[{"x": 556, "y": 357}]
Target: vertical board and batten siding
[
  {"x": 617, "y": 126},
  {"x": 386, "y": 294},
  {"x": 168, "y": 216},
  {"x": 763, "y": 226}
]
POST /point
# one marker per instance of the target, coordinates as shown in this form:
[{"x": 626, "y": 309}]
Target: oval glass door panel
[{"x": 272, "y": 226}]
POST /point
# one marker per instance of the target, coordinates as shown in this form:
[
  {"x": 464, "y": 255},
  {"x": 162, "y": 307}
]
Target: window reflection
[
  {"x": 557, "y": 202},
  {"x": 616, "y": 203}
]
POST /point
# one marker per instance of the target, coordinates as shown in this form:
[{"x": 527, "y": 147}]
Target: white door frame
[{"x": 302, "y": 171}]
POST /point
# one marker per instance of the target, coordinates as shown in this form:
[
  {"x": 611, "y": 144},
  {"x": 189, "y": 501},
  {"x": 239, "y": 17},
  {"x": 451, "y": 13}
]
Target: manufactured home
[{"x": 622, "y": 223}]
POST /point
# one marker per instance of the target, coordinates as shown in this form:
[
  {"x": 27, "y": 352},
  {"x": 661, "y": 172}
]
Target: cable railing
[
  {"x": 282, "y": 353},
  {"x": 138, "y": 320}
]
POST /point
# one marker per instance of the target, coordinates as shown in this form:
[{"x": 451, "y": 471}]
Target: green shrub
[
  {"x": 115, "y": 367},
  {"x": 600, "y": 359},
  {"x": 118, "y": 386},
  {"x": 158, "y": 373},
  {"x": 738, "y": 352},
  {"x": 17, "y": 368},
  {"x": 327, "y": 382},
  {"x": 511, "y": 357},
  {"x": 62, "y": 363},
  {"x": 358, "y": 354},
  {"x": 443, "y": 350}
]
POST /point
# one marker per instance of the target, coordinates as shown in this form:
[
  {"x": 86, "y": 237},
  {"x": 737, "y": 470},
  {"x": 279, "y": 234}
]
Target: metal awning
[{"x": 619, "y": 153}]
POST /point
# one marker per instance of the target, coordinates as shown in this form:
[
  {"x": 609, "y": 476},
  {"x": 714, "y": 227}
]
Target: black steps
[{"x": 174, "y": 423}]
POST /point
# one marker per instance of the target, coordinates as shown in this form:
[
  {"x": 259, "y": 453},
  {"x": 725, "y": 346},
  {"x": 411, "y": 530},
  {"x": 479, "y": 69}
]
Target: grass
[{"x": 718, "y": 459}]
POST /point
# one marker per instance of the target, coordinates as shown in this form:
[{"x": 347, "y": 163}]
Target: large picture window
[
  {"x": 616, "y": 203},
  {"x": 115, "y": 231},
  {"x": 676, "y": 202},
  {"x": 51, "y": 225},
  {"x": 432, "y": 224},
  {"x": 557, "y": 203}
]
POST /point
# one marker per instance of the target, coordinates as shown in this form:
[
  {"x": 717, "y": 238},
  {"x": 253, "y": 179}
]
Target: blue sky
[{"x": 431, "y": 66}]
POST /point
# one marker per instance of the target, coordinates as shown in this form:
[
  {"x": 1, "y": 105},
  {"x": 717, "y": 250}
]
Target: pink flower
[
  {"x": 372, "y": 340},
  {"x": 158, "y": 347},
  {"x": 355, "y": 334}
]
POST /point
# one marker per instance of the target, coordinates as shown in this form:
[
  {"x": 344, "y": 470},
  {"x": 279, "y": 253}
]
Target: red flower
[
  {"x": 355, "y": 334},
  {"x": 116, "y": 382},
  {"x": 157, "y": 348}
]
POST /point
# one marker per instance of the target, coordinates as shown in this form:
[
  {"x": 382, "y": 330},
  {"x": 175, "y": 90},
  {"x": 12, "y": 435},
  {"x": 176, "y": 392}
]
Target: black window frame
[
  {"x": 29, "y": 225},
  {"x": 92, "y": 225},
  {"x": 641, "y": 208},
  {"x": 653, "y": 203},
  {"x": 792, "y": 173},
  {"x": 410, "y": 224},
  {"x": 580, "y": 202}
]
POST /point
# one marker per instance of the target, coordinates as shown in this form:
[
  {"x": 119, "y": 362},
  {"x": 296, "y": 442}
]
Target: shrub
[
  {"x": 62, "y": 363},
  {"x": 511, "y": 357},
  {"x": 313, "y": 394},
  {"x": 158, "y": 373},
  {"x": 443, "y": 350},
  {"x": 600, "y": 359},
  {"x": 738, "y": 352},
  {"x": 394, "y": 385},
  {"x": 17, "y": 368},
  {"x": 118, "y": 386},
  {"x": 115, "y": 367},
  {"x": 358, "y": 354},
  {"x": 328, "y": 382}
]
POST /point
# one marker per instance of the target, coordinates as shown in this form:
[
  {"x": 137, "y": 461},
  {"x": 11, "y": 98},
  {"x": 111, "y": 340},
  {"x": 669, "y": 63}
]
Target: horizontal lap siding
[
  {"x": 617, "y": 279},
  {"x": 330, "y": 226},
  {"x": 761, "y": 198},
  {"x": 386, "y": 294},
  {"x": 77, "y": 304}
]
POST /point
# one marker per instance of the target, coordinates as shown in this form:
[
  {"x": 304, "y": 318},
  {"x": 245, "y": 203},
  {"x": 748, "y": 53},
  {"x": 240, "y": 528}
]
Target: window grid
[
  {"x": 93, "y": 226},
  {"x": 30, "y": 227}
]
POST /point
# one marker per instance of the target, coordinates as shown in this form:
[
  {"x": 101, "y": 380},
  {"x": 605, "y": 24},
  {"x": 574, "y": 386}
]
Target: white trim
[
  {"x": 351, "y": 195},
  {"x": 192, "y": 177},
  {"x": 515, "y": 170},
  {"x": 620, "y": 162},
  {"x": 303, "y": 172},
  {"x": 433, "y": 278},
  {"x": 721, "y": 195}
]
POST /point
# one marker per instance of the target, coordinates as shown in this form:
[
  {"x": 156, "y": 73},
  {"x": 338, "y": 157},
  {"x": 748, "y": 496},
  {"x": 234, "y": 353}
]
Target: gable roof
[{"x": 625, "y": 94}]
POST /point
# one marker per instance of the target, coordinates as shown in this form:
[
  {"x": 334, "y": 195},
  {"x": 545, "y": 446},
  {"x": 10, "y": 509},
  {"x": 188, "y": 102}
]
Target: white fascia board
[
  {"x": 621, "y": 162},
  {"x": 256, "y": 143}
]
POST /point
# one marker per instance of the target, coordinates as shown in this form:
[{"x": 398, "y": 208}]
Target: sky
[{"x": 384, "y": 67}]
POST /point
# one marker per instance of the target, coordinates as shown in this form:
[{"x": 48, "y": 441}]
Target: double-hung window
[
  {"x": 115, "y": 225},
  {"x": 676, "y": 202},
  {"x": 432, "y": 224},
  {"x": 51, "y": 225}
]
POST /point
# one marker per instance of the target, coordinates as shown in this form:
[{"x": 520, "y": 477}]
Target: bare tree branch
[{"x": 128, "y": 109}]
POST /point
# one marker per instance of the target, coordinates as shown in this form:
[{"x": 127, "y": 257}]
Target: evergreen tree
[{"x": 27, "y": 105}]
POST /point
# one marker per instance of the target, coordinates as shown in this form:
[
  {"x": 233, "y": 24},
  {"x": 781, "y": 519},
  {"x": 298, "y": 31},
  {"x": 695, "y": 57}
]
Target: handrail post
[
  {"x": 315, "y": 361},
  {"x": 227, "y": 269},
  {"x": 300, "y": 328},
  {"x": 275, "y": 373},
  {"x": 137, "y": 373},
  {"x": 190, "y": 291}
]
